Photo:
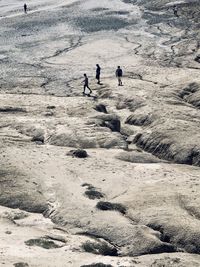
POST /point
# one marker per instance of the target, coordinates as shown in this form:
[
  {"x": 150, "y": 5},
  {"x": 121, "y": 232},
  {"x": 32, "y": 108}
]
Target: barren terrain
[{"x": 134, "y": 200}]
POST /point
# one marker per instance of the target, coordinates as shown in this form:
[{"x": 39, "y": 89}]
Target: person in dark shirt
[
  {"x": 98, "y": 73},
  {"x": 86, "y": 84},
  {"x": 119, "y": 74},
  {"x": 175, "y": 9},
  {"x": 25, "y": 8}
]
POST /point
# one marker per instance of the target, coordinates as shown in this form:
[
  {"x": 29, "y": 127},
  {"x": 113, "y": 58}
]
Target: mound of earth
[{"x": 78, "y": 181}]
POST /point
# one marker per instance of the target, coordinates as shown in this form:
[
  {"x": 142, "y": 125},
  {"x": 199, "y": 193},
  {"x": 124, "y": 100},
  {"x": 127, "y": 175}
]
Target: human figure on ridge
[
  {"x": 119, "y": 74},
  {"x": 86, "y": 84},
  {"x": 175, "y": 9},
  {"x": 25, "y": 8},
  {"x": 98, "y": 73}
]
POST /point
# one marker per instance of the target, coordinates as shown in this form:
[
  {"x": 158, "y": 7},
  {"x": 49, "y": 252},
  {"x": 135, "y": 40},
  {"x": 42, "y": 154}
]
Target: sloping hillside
[{"x": 132, "y": 197}]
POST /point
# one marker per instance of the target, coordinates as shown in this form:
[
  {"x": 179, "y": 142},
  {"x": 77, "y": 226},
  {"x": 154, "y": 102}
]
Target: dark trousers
[
  {"x": 176, "y": 13},
  {"x": 98, "y": 78},
  {"x": 86, "y": 86}
]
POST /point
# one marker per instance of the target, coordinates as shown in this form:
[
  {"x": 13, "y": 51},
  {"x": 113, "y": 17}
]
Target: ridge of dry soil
[{"x": 134, "y": 199}]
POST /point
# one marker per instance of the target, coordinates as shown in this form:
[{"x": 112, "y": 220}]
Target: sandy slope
[{"x": 135, "y": 200}]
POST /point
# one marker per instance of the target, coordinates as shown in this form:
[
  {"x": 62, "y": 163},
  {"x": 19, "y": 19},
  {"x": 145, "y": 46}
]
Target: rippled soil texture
[{"x": 111, "y": 179}]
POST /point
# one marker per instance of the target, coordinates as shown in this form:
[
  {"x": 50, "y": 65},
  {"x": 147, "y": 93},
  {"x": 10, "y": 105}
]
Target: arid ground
[{"x": 134, "y": 199}]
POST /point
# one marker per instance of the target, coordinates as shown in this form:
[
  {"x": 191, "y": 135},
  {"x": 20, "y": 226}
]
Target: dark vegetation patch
[
  {"x": 100, "y": 247},
  {"x": 130, "y": 1},
  {"x": 100, "y": 9},
  {"x": 21, "y": 264},
  {"x": 97, "y": 265},
  {"x": 104, "y": 205},
  {"x": 12, "y": 110},
  {"x": 95, "y": 24},
  {"x": 78, "y": 153},
  {"x": 117, "y": 13},
  {"x": 101, "y": 108},
  {"x": 92, "y": 192},
  {"x": 42, "y": 242}
]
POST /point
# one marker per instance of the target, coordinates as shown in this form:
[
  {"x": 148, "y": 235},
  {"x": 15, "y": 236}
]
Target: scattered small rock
[
  {"x": 51, "y": 107},
  {"x": 78, "y": 153},
  {"x": 87, "y": 185},
  {"x": 8, "y": 232}
]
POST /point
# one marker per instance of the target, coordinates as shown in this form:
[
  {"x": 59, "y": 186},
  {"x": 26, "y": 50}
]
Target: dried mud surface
[{"x": 129, "y": 196}]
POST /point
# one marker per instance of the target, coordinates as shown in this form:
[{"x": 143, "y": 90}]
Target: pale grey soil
[{"x": 133, "y": 200}]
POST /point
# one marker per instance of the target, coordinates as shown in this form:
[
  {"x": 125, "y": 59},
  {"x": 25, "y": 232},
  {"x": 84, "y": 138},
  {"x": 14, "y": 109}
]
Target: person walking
[
  {"x": 175, "y": 9},
  {"x": 98, "y": 73},
  {"x": 86, "y": 84},
  {"x": 25, "y": 8},
  {"x": 119, "y": 74}
]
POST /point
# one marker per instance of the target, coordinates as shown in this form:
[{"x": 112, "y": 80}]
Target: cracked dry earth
[{"x": 134, "y": 201}]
